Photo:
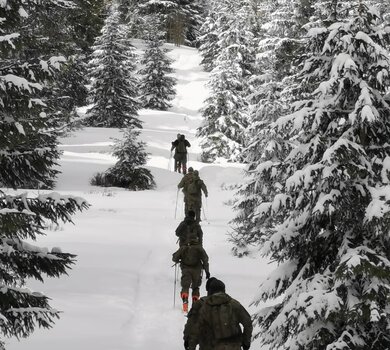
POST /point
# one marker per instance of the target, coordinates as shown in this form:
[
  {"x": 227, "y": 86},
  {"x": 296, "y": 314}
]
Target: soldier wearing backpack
[
  {"x": 193, "y": 259},
  {"x": 220, "y": 320},
  {"x": 193, "y": 194},
  {"x": 190, "y": 333},
  {"x": 180, "y": 146},
  {"x": 189, "y": 229}
]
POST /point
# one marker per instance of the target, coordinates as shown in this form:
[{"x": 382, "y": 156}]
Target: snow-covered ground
[{"x": 120, "y": 293}]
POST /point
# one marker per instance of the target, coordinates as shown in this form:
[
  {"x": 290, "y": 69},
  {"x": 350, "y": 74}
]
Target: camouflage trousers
[
  {"x": 181, "y": 162},
  {"x": 191, "y": 277},
  {"x": 195, "y": 206}
]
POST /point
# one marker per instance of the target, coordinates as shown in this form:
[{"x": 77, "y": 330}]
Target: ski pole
[
  {"x": 169, "y": 161},
  {"x": 174, "y": 287},
  {"x": 204, "y": 213},
  {"x": 177, "y": 197}
]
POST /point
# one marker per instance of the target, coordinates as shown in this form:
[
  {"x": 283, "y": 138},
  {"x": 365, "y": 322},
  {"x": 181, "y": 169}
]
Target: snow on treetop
[
  {"x": 364, "y": 37},
  {"x": 57, "y": 198},
  {"x": 312, "y": 32},
  {"x": 379, "y": 205},
  {"x": 9, "y": 38},
  {"x": 303, "y": 177},
  {"x": 341, "y": 142},
  {"x": 325, "y": 198},
  {"x": 56, "y": 61},
  {"x": 282, "y": 272},
  {"x": 343, "y": 61},
  {"x": 22, "y": 12},
  {"x": 296, "y": 118},
  {"x": 21, "y": 83}
]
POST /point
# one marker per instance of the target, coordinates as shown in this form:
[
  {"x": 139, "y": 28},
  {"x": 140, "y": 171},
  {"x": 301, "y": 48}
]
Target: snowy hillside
[{"x": 119, "y": 295}]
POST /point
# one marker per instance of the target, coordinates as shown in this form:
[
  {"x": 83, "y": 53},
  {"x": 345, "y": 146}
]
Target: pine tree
[
  {"x": 157, "y": 88},
  {"x": 280, "y": 47},
  {"x": 127, "y": 172},
  {"x": 216, "y": 22},
  {"x": 82, "y": 24},
  {"x": 181, "y": 19},
  {"x": 192, "y": 11},
  {"x": 225, "y": 111},
  {"x": 29, "y": 124},
  {"x": 224, "y": 120},
  {"x": 24, "y": 218},
  {"x": 114, "y": 87},
  {"x": 326, "y": 218},
  {"x": 29, "y": 121}
]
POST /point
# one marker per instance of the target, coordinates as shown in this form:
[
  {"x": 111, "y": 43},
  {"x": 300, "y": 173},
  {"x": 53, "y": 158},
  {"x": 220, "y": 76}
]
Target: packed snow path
[{"x": 119, "y": 294}]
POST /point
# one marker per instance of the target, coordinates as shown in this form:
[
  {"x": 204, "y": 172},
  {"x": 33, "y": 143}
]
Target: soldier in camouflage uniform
[
  {"x": 189, "y": 229},
  {"x": 219, "y": 320},
  {"x": 180, "y": 146},
  {"x": 192, "y": 188},
  {"x": 193, "y": 259},
  {"x": 190, "y": 334},
  {"x": 183, "y": 184}
]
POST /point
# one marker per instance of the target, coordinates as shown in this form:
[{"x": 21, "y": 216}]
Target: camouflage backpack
[
  {"x": 181, "y": 145},
  {"x": 223, "y": 321},
  {"x": 193, "y": 187},
  {"x": 192, "y": 231},
  {"x": 190, "y": 255}
]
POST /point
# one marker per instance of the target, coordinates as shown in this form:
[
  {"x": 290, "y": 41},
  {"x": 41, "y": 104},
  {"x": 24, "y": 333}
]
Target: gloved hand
[
  {"x": 186, "y": 345},
  {"x": 207, "y": 275},
  {"x": 245, "y": 347}
]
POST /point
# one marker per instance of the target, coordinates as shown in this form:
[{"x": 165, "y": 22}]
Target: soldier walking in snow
[
  {"x": 218, "y": 322},
  {"x": 180, "y": 146},
  {"x": 193, "y": 259},
  {"x": 192, "y": 187},
  {"x": 189, "y": 229},
  {"x": 190, "y": 334}
]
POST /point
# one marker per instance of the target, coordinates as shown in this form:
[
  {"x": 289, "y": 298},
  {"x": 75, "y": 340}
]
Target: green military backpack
[
  {"x": 190, "y": 256},
  {"x": 223, "y": 321},
  {"x": 193, "y": 187},
  {"x": 181, "y": 146}
]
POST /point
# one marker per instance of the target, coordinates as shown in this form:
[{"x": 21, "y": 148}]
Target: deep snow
[{"x": 119, "y": 295}]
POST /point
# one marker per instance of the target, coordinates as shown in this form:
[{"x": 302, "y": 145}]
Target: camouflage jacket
[
  {"x": 185, "y": 182},
  {"x": 239, "y": 316},
  {"x": 189, "y": 229},
  {"x": 191, "y": 329},
  {"x": 191, "y": 256}
]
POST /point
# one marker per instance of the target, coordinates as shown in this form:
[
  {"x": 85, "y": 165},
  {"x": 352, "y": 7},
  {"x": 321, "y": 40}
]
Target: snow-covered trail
[{"x": 119, "y": 294}]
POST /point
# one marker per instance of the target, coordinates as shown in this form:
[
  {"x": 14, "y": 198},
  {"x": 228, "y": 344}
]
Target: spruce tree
[
  {"x": 279, "y": 51},
  {"x": 324, "y": 217},
  {"x": 29, "y": 124},
  {"x": 82, "y": 24},
  {"x": 113, "y": 91},
  {"x": 216, "y": 22},
  {"x": 25, "y": 218},
  {"x": 225, "y": 111},
  {"x": 127, "y": 172},
  {"x": 29, "y": 120},
  {"x": 181, "y": 19},
  {"x": 156, "y": 88}
]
